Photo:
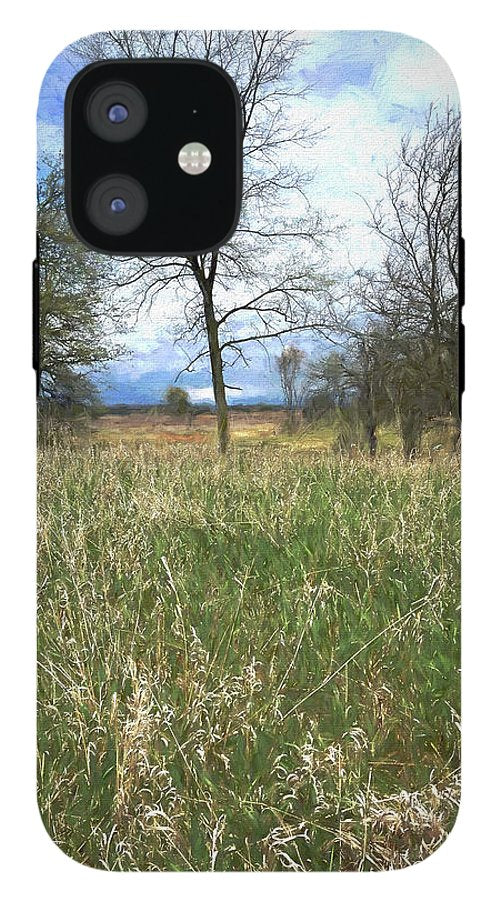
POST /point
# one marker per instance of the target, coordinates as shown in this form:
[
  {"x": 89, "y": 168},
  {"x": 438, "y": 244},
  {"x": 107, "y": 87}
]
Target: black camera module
[
  {"x": 132, "y": 141},
  {"x": 117, "y": 204},
  {"x": 116, "y": 111}
]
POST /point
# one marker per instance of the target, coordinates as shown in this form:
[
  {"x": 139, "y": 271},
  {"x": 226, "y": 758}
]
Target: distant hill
[{"x": 126, "y": 409}]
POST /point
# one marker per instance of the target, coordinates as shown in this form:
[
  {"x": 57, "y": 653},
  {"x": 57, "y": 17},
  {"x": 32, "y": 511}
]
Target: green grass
[{"x": 190, "y": 610}]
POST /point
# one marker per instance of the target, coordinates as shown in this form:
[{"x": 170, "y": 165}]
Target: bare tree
[
  {"x": 270, "y": 279},
  {"x": 289, "y": 365},
  {"x": 415, "y": 292}
]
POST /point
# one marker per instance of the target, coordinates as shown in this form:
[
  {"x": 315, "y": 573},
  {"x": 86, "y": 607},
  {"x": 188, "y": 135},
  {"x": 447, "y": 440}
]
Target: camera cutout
[{"x": 135, "y": 130}]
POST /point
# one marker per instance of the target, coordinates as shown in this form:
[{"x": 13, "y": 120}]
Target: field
[
  {"x": 247, "y": 663},
  {"x": 157, "y": 426},
  {"x": 250, "y": 427}
]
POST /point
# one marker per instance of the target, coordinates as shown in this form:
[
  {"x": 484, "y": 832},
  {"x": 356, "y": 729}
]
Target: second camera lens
[{"x": 117, "y": 204}]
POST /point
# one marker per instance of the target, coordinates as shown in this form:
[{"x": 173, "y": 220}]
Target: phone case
[{"x": 249, "y": 480}]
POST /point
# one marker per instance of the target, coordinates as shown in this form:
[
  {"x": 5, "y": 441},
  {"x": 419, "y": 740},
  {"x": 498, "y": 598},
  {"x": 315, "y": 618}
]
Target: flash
[{"x": 194, "y": 158}]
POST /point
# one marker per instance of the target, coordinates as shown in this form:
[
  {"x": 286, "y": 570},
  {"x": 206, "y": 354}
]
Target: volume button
[
  {"x": 461, "y": 272},
  {"x": 36, "y": 318},
  {"x": 461, "y": 354},
  {"x": 461, "y": 364}
]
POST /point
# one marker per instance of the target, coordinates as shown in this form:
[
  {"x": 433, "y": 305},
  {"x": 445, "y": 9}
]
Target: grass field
[{"x": 249, "y": 663}]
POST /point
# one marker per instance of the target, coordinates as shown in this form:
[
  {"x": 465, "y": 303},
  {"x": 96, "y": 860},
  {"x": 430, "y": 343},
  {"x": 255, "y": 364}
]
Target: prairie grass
[{"x": 249, "y": 663}]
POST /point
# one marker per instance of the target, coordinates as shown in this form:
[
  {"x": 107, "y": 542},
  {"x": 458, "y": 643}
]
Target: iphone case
[{"x": 249, "y": 480}]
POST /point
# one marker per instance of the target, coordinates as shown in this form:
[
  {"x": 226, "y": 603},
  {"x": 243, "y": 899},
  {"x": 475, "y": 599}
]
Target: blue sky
[{"x": 365, "y": 91}]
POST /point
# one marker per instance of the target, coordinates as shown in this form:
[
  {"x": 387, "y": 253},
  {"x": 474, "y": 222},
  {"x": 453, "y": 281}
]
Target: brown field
[
  {"x": 155, "y": 426},
  {"x": 254, "y": 427}
]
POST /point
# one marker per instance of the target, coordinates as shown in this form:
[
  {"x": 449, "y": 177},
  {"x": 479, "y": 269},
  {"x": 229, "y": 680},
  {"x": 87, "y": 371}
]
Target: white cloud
[
  {"x": 415, "y": 75},
  {"x": 200, "y": 395}
]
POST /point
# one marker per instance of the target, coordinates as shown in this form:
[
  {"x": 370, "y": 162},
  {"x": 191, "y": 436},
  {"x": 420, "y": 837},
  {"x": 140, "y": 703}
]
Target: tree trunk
[
  {"x": 216, "y": 371},
  {"x": 291, "y": 419},
  {"x": 372, "y": 439},
  {"x": 411, "y": 421},
  {"x": 206, "y": 281}
]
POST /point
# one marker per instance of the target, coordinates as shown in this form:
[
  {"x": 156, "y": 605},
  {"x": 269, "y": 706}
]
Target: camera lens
[
  {"x": 116, "y": 111},
  {"x": 117, "y": 204}
]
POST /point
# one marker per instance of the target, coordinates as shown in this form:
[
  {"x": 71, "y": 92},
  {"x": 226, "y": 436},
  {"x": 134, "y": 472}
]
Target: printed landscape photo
[{"x": 249, "y": 482}]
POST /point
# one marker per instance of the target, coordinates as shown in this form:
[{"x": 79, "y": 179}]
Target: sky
[{"x": 365, "y": 91}]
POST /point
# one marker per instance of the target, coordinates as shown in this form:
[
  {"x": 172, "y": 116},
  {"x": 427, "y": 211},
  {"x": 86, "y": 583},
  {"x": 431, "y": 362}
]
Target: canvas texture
[{"x": 249, "y": 482}]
